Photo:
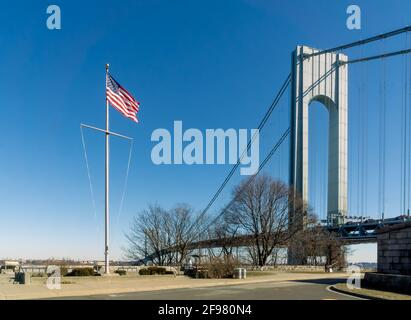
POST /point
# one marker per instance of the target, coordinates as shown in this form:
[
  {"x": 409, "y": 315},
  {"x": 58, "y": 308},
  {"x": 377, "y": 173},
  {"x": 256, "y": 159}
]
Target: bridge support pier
[{"x": 324, "y": 79}]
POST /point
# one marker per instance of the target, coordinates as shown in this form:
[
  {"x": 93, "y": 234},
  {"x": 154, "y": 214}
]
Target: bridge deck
[{"x": 349, "y": 234}]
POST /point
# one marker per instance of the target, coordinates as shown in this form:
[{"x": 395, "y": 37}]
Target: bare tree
[
  {"x": 224, "y": 231},
  {"x": 185, "y": 227},
  {"x": 316, "y": 246},
  {"x": 147, "y": 235},
  {"x": 163, "y": 235},
  {"x": 260, "y": 208}
]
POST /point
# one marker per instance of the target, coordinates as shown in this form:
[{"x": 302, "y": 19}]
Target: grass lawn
[{"x": 374, "y": 293}]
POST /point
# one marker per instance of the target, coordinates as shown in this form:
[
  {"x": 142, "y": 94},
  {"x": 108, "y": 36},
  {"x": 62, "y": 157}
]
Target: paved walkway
[
  {"x": 267, "y": 290},
  {"x": 114, "y": 285}
]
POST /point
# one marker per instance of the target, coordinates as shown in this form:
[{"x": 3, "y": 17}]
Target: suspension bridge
[{"x": 341, "y": 196}]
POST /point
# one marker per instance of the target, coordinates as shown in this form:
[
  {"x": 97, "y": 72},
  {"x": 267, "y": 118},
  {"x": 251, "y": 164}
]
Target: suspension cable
[
  {"x": 382, "y": 140},
  {"x": 252, "y": 178},
  {"x": 363, "y": 138},
  {"x": 377, "y": 57},
  {"x": 248, "y": 182},
  {"x": 260, "y": 127},
  {"x": 313, "y": 163},
  {"x": 267, "y": 115},
  {"x": 406, "y": 132},
  {"x": 358, "y": 122},
  {"x": 362, "y": 144},
  {"x": 402, "y": 170},
  {"x": 365, "y": 148},
  {"x": 362, "y": 86},
  {"x": 408, "y": 91},
  {"x": 362, "y": 42}
]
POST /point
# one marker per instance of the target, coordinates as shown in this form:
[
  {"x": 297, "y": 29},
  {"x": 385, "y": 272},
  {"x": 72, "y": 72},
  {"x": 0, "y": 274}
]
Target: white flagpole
[
  {"x": 107, "y": 206},
  {"x": 107, "y": 183}
]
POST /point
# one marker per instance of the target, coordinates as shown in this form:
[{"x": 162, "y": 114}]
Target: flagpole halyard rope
[
  {"x": 125, "y": 103},
  {"x": 125, "y": 181},
  {"x": 88, "y": 172}
]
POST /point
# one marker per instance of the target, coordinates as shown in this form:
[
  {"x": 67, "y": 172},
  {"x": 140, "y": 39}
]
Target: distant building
[{"x": 9, "y": 265}]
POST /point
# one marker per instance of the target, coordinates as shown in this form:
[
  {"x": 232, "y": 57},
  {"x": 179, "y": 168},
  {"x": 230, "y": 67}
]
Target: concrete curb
[{"x": 358, "y": 295}]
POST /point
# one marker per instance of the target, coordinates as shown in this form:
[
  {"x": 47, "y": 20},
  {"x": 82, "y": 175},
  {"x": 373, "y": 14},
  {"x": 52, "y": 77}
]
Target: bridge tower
[{"x": 322, "y": 78}]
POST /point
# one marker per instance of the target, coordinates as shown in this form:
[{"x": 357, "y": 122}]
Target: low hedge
[
  {"x": 63, "y": 271},
  {"x": 81, "y": 272},
  {"x": 153, "y": 271},
  {"x": 198, "y": 273},
  {"x": 121, "y": 272}
]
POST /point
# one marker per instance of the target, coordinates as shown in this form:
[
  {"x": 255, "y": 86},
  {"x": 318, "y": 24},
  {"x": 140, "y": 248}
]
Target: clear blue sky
[{"x": 211, "y": 64}]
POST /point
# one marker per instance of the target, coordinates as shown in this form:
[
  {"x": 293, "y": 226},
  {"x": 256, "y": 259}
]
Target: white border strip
[{"x": 345, "y": 294}]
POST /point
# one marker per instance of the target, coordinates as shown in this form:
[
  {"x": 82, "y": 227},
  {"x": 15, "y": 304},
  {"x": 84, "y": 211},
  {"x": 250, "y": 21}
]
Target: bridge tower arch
[{"x": 324, "y": 79}]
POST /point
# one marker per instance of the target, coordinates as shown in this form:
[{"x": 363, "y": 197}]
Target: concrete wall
[
  {"x": 43, "y": 268},
  {"x": 387, "y": 282},
  {"x": 287, "y": 267},
  {"x": 394, "y": 250}
]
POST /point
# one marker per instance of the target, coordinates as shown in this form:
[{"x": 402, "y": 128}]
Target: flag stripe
[
  {"x": 131, "y": 104},
  {"x": 121, "y": 99},
  {"x": 133, "y": 107},
  {"x": 115, "y": 100},
  {"x": 128, "y": 102},
  {"x": 132, "y": 117},
  {"x": 120, "y": 106},
  {"x": 129, "y": 96}
]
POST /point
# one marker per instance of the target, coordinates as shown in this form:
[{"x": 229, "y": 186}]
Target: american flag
[{"x": 121, "y": 99}]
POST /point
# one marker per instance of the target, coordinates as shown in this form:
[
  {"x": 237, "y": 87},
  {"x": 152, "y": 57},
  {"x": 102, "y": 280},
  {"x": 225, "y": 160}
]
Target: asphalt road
[{"x": 287, "y": 290}]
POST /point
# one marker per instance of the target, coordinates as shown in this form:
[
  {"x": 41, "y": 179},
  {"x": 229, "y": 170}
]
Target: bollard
[
  {"x": 240, "y": 273},
  {"x": 22, "y": 277},
  {"x": 26, "y": 278}
]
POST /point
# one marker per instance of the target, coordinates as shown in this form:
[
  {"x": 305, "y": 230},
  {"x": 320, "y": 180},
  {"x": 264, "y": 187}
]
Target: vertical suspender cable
[
  {"x": 365, "y": 145},
  {"x": 408, "y": 92},
  {"x": 361, "y": 153},
  {"x": 405, "y": 131},
  {"x": 382, "y": 141},
  {"x": 362, "y": 135},
  {"x": 402, "y": 156},
  {"x": 359, "y": 117},
  {"x": 358, "y": 122},
  {"x": 405, "y": 119},
  {"x": 324, "y": 147}
]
